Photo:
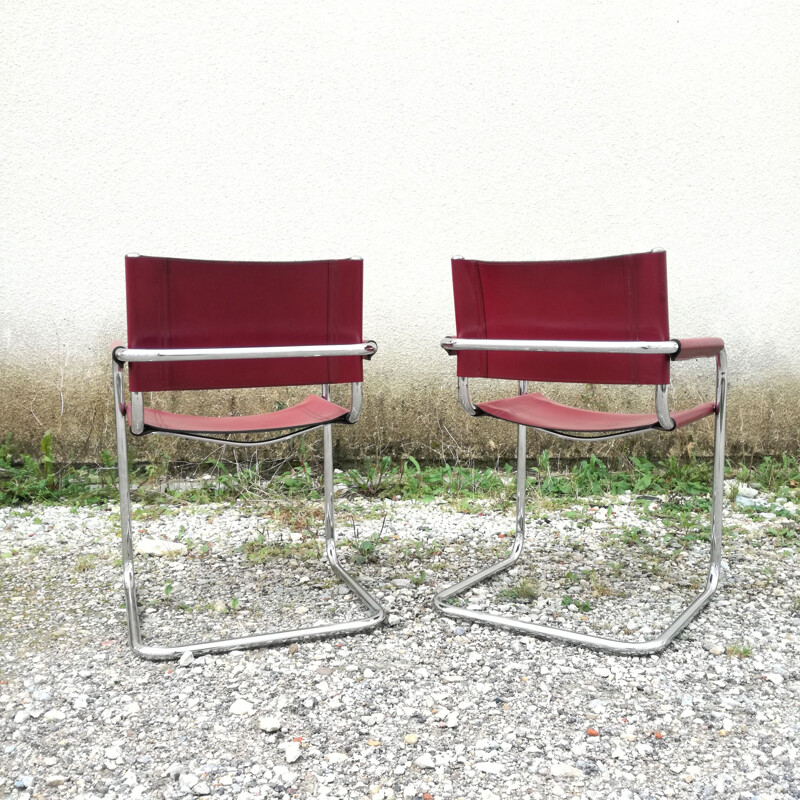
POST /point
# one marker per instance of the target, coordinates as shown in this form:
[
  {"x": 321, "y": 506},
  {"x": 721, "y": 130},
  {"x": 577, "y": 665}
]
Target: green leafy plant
[{"x": 581, "y": 605}]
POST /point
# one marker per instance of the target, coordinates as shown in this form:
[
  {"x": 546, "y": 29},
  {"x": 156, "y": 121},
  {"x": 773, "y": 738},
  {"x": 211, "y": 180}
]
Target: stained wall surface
[{"x": 404, "y": 133}]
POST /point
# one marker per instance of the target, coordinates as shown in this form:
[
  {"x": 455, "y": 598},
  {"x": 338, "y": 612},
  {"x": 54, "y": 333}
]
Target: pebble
[
  {"x": 187, "y": 781},
  {"x": 490, "y": 767},
  {"x": 292, "y": 752},
  {"x": 160, "y": 547},
  {"x": 54, "y": 715},
  {"x": 560, "y": 770},
  {"x": 241, "y": 707},
  {"x": 425, "y": 761},
  {"x": 187, "y": 659},
  {"x": 269, "y": 724},
  {"x": 411, "y": 738}
]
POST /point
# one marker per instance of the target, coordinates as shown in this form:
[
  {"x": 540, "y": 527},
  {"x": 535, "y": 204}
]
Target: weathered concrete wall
[
  {"x": 403, "y": 133},
  {"x": 427, "y": 423}
]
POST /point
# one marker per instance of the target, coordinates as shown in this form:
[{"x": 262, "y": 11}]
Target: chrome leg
[
  {"x": 376, "y": 616},
  {"x": 617, "y": 646},
  {"x": 128, "y": 574}
]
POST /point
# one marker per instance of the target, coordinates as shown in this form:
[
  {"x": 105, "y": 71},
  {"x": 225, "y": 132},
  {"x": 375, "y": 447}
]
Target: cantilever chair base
[
  {"x": 617, "y": 646},
  {"x": 374, "y": 619}
]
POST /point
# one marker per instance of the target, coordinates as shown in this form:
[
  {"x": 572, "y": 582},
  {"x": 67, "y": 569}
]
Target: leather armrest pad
[{"x": 698, "y": 348}]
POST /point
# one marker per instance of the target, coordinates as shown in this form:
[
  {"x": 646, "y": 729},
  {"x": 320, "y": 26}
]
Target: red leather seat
[
  {"x": 312, "y": 411},
  {"x": 537, "y": 411}
]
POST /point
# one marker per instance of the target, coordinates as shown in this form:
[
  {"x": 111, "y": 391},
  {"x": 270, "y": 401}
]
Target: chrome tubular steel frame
[
  {"x": 588, "y": 640},
  {"x": 453, "y": 344},
  {"x": 376, "y": 614}
]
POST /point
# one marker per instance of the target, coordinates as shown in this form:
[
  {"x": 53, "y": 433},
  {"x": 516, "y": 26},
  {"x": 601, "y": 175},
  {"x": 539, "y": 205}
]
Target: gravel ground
[{"x": 423, "y": 708}]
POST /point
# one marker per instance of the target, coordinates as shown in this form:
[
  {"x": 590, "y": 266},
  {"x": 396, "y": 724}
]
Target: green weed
[
  {"x": 581, "y": 605},
  {"x": 739, "y": 650},
  {"x": 526, "y": 590}
]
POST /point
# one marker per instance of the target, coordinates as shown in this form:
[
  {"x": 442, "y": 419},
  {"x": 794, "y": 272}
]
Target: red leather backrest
[
  {"x": 176, "y": 302},
  {"x": 619, "y": 298}
]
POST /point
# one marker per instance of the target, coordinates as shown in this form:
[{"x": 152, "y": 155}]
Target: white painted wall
[{"x": 403, "y": 132}]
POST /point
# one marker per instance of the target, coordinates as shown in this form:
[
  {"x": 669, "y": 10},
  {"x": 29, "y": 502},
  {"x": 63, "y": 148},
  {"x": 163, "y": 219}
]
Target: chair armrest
[
  {"x": 697, "y": 348},
  {"x": 364, "y": 349},
  {"x": 452, "y": 344}
]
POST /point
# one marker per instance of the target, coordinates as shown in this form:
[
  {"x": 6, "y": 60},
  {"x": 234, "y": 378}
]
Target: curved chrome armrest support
[
  {"x": 356, "y": 402},
  {"x": 137, "y": 413},
  {"x": 722, "y": 379},
  {"x": 463, "y": 397},
  {"x": 662, "y": 407},
  {"x": 662, "y": 403},
  {"x": 452, "y": 344},
  {"x": 365, "y": 349},
  {"x": 118, "y": 373}
]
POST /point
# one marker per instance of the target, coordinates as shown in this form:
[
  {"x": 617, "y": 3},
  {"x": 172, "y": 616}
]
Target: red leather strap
[{"x": 697, "y": 348}]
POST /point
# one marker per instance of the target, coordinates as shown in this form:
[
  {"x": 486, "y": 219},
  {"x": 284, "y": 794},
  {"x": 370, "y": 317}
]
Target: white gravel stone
[
  {"x": 54, "y": 715},
  {"x": 292, "y": 752},
  {"x": 187, "y": 781},
  {"x": 241, "y": 707},
  {"x": 160, "y": 547},
  {"x": 186, "y": 659},
  {"x": 425, "y": 761},
  {"x": 490, "y": 767},
  {"x": 558, "y": 769},
  {"x": 269, "y": 724}
]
